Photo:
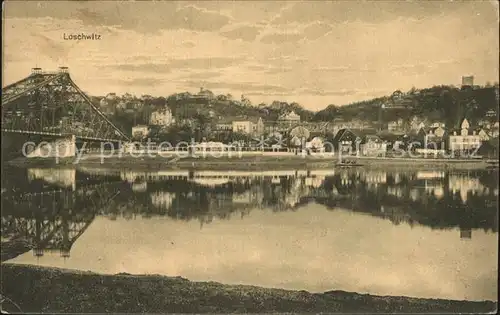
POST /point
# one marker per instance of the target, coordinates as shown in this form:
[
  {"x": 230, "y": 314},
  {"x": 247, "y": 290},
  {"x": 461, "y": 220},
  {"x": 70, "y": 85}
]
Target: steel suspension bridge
[{"x": 51, "y": 104}]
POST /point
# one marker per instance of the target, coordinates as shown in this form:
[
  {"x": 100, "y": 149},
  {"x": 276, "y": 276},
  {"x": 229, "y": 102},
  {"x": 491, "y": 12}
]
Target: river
[{"x": 427, "y": 234}]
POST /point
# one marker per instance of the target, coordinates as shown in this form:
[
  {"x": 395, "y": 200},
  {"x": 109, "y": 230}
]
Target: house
[
  {"x": 484, "y": 136},
  {"x": 347, "y": 139},
  {"x": 111, "y": 96},
  {"x": 417, "y": 123},
  {"x": 396, "y": 126},
  {"x": 224, "y": 124},
  {"x": 397, "y": 95},
  {"x": 271, "y": 126},
  {"x": 162, "y": 117},
  {"x": 437, "y": 124},
  {"x": 253, "y": 125},
  {"x": 206, "y": 94},
  {"x": 182, "y": 96},
  {"x": 372, "y": 145},
  {"x": 464, "y": 139},
  {"x": 203, "y": 96},
  {"x": 434, "y": 137},
  {"x": 289, "y": 117},
  {"x": 318, "y": 127},
  {"x": 140, "y": 131},
  {"x": 394, "y": 141}
]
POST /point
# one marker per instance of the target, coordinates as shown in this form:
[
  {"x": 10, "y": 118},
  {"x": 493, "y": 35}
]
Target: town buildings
[{"x": 252, "y": 125}]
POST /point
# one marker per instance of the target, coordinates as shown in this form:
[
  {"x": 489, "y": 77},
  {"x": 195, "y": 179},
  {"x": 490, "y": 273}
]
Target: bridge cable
[
  {"x": 97, "y": 109},
  {"x": 14, "y": 97}
]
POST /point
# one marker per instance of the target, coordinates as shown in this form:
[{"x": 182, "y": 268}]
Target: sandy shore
[{"x": 38, "y": 289}]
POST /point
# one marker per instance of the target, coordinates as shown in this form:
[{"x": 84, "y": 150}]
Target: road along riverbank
[
  {"x": 40, "y": 289},
  {"x": 249, "y": 163}
]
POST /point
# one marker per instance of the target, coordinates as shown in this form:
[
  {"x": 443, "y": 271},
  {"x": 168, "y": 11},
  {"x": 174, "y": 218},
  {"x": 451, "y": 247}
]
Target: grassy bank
[
  {"x": 248, "y": 163},
  {"x": 37, "y": 289}
]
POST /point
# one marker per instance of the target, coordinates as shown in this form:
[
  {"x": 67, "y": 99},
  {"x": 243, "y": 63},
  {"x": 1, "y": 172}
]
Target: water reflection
[{"x": 299, "y": 229}]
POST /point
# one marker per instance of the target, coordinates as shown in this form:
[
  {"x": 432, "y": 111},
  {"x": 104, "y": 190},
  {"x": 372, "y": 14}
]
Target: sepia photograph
[{"x": 250, "y": 156}]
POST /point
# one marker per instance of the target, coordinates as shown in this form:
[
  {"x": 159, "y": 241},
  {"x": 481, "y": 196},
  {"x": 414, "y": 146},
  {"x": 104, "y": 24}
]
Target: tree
[
  {"x": 203, "y": 125},
  {"x": 452, "y": 108},
  {"x": 245, "y": 101},
  {"x": 239, "y": 136}
]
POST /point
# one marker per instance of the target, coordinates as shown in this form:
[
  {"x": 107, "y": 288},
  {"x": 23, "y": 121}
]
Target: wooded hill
[{"x": 438, "y": 103}]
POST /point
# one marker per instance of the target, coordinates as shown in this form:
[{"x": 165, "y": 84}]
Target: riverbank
[
  {"x": 249, "y": 163},
  {"x": 40, "y": 289}
]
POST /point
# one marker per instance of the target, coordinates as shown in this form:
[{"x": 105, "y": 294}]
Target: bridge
[
  {"x": 54, "y": 220},
  {"x": 51, "y": 104}
]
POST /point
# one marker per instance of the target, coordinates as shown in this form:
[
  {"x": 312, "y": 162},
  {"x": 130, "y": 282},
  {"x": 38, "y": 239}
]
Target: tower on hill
[{"x": 467, "y": 81}]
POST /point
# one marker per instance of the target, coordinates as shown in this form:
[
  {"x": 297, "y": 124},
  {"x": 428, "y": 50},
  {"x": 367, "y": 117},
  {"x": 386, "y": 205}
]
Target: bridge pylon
[{"x": 50, "y": 103}]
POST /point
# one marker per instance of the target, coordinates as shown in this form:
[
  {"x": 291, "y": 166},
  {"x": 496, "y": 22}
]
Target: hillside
[
  {"x": 438, "y": 103},
  {"x": 444, "y": 103}
]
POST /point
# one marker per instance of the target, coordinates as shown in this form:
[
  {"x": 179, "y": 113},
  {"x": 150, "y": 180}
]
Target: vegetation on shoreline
[
  {"x": 39, "y": 289},
  {"x": 244, "y": 163}
]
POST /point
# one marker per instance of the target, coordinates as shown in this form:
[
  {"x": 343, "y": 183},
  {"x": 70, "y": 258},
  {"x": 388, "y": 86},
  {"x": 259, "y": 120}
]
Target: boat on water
[{"x": 348, "y": 164}]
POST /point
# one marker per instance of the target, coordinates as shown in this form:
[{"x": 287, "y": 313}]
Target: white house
[
  {"x": 465, "y": 138},
  {"x": 162, "y": 117},
  {"x": 434, "y": 135},
  {"x": 251, "y": 125},
  {"x": 372, "y": 145},
  {"x": 316, "y": 144},
  {"x": 289, "y": 117}
]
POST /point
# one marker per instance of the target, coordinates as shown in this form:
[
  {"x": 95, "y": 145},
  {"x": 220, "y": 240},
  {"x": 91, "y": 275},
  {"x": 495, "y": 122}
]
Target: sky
[{"x": 313, "y": 52}]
